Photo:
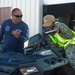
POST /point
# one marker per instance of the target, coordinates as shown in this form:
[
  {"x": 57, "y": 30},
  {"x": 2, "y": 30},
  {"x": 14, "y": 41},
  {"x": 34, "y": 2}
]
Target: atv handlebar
[{"x": 51, "y": 31}]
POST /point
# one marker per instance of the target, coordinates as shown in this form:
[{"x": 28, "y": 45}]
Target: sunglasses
[{"x": 18, "y": 16}]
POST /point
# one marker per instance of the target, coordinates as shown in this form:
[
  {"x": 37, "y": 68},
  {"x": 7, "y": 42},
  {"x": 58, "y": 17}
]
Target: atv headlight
[
  {"x": 46, "y": 52},
  {"x": 28, "y": 70}
]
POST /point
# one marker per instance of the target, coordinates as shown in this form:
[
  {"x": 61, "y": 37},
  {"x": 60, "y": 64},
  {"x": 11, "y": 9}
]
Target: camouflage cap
[{"x": 48, "y": 20}]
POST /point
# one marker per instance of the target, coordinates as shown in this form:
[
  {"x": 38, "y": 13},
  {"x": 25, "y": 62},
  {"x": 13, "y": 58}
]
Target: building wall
[{"x": 32, "y": 12}]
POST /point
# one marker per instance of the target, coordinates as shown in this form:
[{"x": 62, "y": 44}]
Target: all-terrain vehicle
[{"x": 38, "y": 59}]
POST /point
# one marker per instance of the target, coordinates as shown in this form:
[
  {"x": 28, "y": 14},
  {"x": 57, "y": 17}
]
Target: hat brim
[{"x": 47, "y": 24}]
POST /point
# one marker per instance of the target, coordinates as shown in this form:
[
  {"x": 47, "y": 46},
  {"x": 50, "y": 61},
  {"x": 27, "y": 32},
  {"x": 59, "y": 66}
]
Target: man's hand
[
  {"x": 56, "y": 29},
  {"x": 16, "y": 33}
]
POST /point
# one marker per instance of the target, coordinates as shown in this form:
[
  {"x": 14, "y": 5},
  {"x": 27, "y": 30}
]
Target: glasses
[{"x": 18, "y": 16}]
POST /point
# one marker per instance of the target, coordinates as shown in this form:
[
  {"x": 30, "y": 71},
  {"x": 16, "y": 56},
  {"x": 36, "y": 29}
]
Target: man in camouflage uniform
[{"x": 65, "y": 32}]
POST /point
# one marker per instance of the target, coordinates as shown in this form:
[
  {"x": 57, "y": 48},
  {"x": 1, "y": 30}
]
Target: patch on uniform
[
  {"x": 27, "y": 34},
  {"x": 7, "y": 28}
]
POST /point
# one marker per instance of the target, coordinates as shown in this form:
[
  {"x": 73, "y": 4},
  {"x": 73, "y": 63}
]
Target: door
[{"x": 5, "y": 13}]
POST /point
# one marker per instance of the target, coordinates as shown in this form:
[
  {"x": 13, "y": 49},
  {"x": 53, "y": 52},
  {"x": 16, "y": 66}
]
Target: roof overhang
[{"x": 53, "y": 2}]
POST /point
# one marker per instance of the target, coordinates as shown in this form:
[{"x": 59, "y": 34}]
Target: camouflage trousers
[{"x": 70, "y": 54}]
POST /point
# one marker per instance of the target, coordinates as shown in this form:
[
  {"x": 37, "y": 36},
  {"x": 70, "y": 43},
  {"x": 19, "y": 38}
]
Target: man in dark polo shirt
[{"x": 15, "y": 32}]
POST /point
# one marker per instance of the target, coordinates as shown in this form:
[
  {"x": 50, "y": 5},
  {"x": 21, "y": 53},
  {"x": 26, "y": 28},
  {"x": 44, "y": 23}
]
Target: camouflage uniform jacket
[{"x": 64, "y": 31}]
